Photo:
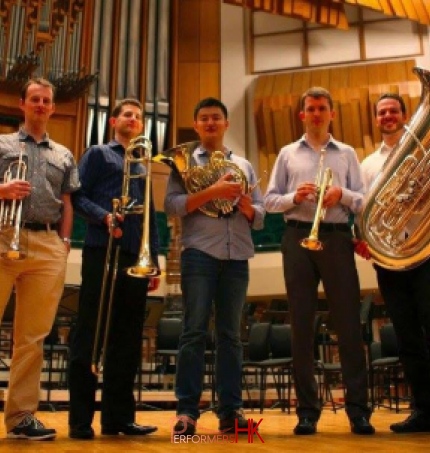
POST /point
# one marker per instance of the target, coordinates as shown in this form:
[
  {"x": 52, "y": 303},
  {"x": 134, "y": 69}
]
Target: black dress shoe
[
  {"x": 83, "y": 432},
  {"x": 129, "y": 429},
  {"x": 360, "y": 425},
  {"x": 415, "y": 423},
  {"x": 305, "y": 426}
]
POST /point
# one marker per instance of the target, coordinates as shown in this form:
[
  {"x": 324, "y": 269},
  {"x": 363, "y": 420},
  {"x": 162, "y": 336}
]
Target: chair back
[
  {"x": 168, "y": 333},
  {"x": 258, "y": 341},
  {"x": 389, "y": 345},
  {"x": 280, "y": 341}
]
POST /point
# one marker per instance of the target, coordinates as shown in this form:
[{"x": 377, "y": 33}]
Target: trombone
[
  {"x": 138, "y": 152},
  {"x": 323, "y": 180},
  {"x": 11, "y": 211}
]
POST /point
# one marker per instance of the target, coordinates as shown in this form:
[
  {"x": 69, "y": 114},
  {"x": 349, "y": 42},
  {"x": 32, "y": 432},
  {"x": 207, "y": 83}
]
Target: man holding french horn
[
  {"x": 316, "y": 183},
  {"x": 218, "y": 204},
  {"x": 110, "y": 174},
  {"x": 35, "y": 227}
]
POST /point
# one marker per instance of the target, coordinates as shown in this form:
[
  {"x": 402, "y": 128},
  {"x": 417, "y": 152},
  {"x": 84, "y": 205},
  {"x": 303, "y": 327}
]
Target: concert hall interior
[{"x": 258, "y": 57}]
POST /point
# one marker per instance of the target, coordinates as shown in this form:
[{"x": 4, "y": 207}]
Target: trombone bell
[{"x": 142, "y": 269}]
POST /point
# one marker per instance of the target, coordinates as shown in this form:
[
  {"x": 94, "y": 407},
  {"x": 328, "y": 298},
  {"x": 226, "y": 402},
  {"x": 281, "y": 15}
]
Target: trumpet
[
  {"x": 138, "y": 152},
  {"x": 11, "y": 210},
  {"x": 323, "y": 180}
]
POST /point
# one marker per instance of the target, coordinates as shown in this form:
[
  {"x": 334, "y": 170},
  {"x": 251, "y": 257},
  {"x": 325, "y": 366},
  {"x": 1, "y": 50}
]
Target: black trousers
[
  {"x": 407, "y": 297},
  {"x": 124, "y": 343},
  {"x": 303, "y": 271}
]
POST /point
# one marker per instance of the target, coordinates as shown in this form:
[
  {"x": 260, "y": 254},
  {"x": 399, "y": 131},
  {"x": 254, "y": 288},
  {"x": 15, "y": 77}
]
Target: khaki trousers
[{"x": 39, "y": 281}]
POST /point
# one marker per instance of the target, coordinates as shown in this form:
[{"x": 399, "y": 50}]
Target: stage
[{"x": 275, "y": 430}]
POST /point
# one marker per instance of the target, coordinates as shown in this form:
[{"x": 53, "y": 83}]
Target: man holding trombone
[
  {"x": 102, "y": 172},
  {"x": 327, "y": 255},
  {"x": 35, "y": 228}
]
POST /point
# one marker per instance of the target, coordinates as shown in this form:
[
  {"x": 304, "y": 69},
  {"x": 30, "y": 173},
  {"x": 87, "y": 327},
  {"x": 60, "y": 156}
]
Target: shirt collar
[
  {"x": 202, "y": 152},
  {"x": 26, "y": 137},
  {"x": 385, "y": 149},
  {"x": 331, "y": 142}
]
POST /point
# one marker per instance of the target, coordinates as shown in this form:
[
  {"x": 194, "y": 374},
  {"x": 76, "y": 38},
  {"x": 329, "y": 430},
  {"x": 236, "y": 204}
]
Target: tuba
[
  {"x": 395, "y": 221},
  {"x": 196, "y": 178}
]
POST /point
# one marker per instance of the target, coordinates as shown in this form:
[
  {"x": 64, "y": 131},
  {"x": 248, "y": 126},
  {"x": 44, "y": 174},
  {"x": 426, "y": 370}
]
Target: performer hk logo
[
  {"x": 211, "y": 436},
  {"x": 252, "y": 430}
]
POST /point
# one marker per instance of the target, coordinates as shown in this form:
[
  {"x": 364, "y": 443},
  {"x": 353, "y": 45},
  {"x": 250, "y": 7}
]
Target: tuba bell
[
  {"x": 196, "y": 178},
  {"x": 395, "y": 221}
]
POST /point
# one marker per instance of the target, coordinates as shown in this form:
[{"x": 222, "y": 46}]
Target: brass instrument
[
  {"x": 323, "y": 180},
  {"x": 197, "y": 178},
  {"x": 11, "y": 210},
  {"x": 138, "y": 152},
  {"x": 399, "y": 200}
]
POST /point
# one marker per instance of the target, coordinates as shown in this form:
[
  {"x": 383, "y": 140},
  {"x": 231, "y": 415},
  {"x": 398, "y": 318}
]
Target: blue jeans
[{"x": 207, "y": 280}]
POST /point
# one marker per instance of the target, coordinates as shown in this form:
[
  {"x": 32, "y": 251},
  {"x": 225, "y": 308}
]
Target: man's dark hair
[
  {"x": 316, "y": 92},
  {"x": 391, "y": 96},
  {"x": 128, "y": 101},
  {"x": 38, "y": 81},
  {"x": 210, "y": 102}
]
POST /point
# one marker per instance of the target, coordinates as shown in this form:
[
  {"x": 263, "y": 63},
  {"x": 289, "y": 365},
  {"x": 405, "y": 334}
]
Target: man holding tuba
[
  {"x": 292, "y": 190},
  {"x": 406, "y": 293},
  {"x": 39, "y": 217},
  {"x": 101, "y": 173},
  {"x": 214, "y": 266}
]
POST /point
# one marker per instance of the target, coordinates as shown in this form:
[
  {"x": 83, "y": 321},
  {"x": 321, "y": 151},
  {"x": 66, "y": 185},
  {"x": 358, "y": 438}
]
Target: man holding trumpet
[
  {"x": 101, "y": 173},
  {"x": 308, "y": 260},
  {"x": 36, "y": 225}
]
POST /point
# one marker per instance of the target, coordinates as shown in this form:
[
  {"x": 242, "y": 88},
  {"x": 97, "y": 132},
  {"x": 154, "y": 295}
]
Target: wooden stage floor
[{"x": 276, "y": 428}]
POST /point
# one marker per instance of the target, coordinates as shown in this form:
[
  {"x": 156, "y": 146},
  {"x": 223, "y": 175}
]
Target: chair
[
  {"x": 166, "y": 344},
  {"x": 281, "y": 360},
  {"x": 386, "y": 371},
  {"x": 258, "y": 352},
  {"x": 269, "y": 348}
]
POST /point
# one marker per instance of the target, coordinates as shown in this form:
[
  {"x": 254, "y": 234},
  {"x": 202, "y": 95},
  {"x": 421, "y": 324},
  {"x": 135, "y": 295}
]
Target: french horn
[
  {"x": 197, "y": 178},
  {"x": 395, "y": 220}
]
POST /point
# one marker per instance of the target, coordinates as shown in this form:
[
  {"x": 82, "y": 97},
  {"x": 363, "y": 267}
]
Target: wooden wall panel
[
  {"x": 188, "y": 92},
  {"x": 354, "y": 91},
  {"x": 196, "y": 46}
]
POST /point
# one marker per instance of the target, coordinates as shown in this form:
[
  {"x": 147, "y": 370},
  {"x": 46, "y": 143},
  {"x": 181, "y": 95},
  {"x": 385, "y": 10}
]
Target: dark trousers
[
  {"x": 407, "y": 297},
  {"x": 303, "y": 270},
  {"x": 124, "y": 343}
]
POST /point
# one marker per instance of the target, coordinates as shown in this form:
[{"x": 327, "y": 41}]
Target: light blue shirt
[
  {"x": 225, "y": 238},
  {"x": 297, "y": 163}
]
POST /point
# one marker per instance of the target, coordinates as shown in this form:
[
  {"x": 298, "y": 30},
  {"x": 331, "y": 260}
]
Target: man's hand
[
  {"x": 113, "y": 227},
  {"x": 245, "y": 207},
  {"x": 15, "y": 189},
  {"x": 332, "y": 196},
  {"x": 227, "y": 189},
  {"x": 361, "y": 249},
  {"x": 305, "y": 191}
]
